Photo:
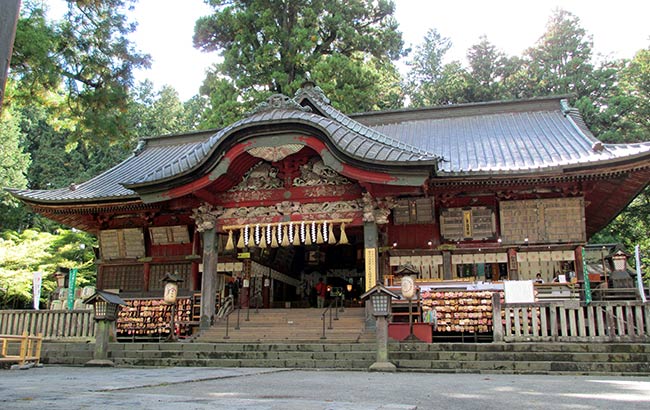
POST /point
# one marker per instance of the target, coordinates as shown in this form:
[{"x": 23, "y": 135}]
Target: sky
[{"x": 619, "y": 29}]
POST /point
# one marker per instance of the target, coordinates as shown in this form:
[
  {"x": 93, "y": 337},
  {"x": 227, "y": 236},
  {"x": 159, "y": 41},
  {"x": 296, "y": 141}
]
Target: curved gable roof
[{"x": 350, "y": 137}]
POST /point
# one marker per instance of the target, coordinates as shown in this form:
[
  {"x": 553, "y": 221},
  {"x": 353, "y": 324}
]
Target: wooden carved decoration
[
  {"x": 376, "y": 210},
  {"x": 261, "y": 176},
  {"x": 315, "y": 172},
  {"x": 205, "y": 217},
  {"x": 279, "y": 102},
  {"x": 275, "y": 154},
  {"x": 289, "y": 208}
]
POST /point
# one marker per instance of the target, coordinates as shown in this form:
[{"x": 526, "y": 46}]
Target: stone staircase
[
  {"x": 289, "y": 325},
  {"x": 291, "y": 338},
  {"x": 525, "y": 358}
]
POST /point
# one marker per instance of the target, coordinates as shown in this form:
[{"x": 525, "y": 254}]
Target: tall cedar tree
[
  {"x": 273, "y": 46},
  {"x": 88, "y": 57}
]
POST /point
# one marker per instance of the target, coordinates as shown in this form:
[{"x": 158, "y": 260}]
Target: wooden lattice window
[
  {"x": 126, "y": 278},
  {"x": 158, "y": 271}
]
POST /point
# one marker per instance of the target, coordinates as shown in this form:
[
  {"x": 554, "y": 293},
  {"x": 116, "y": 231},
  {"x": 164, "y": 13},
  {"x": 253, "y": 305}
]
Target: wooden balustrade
[
  {"x": 51, "y": 324},
  {"x": 620, "y": 321}
]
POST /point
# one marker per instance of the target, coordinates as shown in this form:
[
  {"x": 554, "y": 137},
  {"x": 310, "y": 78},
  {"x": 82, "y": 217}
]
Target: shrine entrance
[{"x": 281, "y": 263}]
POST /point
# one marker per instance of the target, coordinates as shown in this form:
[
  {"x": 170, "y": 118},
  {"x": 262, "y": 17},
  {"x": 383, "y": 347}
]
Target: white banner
[
  {"x": 36, "y": 286},
  {"x": 639, "y": 278},
  {"x": 519, "y": 291}
]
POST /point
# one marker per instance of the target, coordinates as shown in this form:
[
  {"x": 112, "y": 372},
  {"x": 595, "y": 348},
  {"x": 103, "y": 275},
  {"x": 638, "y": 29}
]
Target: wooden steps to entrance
[{"x": 289, "y": 325}]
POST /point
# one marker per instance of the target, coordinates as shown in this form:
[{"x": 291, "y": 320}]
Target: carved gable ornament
[
  {"x": 315, "y": 172},
  {"x": 262, "y": 176},
  {"x": 275, "y": 154},
  {"x": 279, "y": 102}
]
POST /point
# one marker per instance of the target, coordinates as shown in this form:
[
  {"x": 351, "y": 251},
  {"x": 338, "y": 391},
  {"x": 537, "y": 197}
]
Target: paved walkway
[{"x": 68, "y": 388}]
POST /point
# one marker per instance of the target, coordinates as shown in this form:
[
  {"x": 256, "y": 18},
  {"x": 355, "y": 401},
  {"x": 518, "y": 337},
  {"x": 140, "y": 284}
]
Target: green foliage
[
  {"x": 14, "y": 163},
  {"x": 560, "y": 63},
  {"x": 349, "y": 81},
  {"x": 86, "y": 59},
  {"x": 225, "y": 104},
  {"x": 152, "y": 113},
  {"x": 427, "y": 75},
  {"x": 272, "y": 47},
  {"x": 631, "y": 228},
  {"x": 22, "y": 254},
  {"x": 491, "y": 72}
]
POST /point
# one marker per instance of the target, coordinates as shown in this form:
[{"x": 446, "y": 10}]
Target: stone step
[
  {"x": 521, "y": 356},
  {"x": 417, "y": 357},
  {"x": 528, "y": 367},
  {"x": 527, "y": 347},
  {"x": 281, "y": 325}
]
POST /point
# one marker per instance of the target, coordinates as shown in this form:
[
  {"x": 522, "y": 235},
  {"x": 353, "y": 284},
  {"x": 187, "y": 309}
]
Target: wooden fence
[
  {"x": 571, "y": 321},
  {"x": 51, "y": 324},
  {"x": 27, "y": 348}
]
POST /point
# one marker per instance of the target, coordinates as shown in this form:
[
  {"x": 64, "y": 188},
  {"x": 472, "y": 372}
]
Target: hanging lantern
[
  {"x": 274, "y": 237},
  {"x": 285, "y": 236},
  {"x": 330, "y": 235},
  {"x": 240, "y": 241},
  {"x": 319, "y": 234},
  {"x": 343, "y": 239},
  {"x": 230, "y": 245},
  {"x": 296, "y": 236}
]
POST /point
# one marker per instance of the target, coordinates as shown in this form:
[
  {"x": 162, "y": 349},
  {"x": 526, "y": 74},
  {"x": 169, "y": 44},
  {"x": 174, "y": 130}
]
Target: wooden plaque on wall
[
  {"x": 475, "y": 223},
  {"x": 543, "y": 220},
  {"x": 413, "y": 211},
  {"x": 166, "y": 235},
  {"x": 122, "y": 243}
]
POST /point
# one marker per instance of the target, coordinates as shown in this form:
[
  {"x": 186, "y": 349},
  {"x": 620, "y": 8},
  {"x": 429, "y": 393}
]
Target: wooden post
[
  {"x": 513, "y": 265},
  {"x": 497, "y": 324},
  {"x": 147, "y": 275},
  {"x": 371, "y": 249},
  {"x": 447, "y": 274},
  {"x": 580, "y": 274},
  {"x": 553, "y": 317},
  {"x": 209, "y": 279}
]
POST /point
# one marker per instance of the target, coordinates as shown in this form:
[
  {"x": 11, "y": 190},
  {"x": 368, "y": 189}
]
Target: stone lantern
[
  {"x": 106, "y": 306},
  {"x": 380, "y": 299}
]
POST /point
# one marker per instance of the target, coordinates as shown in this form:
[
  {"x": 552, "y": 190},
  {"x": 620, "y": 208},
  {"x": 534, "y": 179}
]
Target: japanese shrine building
[{"x": 298, "y": 190}]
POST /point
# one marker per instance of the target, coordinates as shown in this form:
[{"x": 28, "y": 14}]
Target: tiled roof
[
  {"x": 107, "y": 186},
  {"x": 494, "y": 142},
  {"x": 351, "y": 137},
  {"x": 503, "y": 138}
]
